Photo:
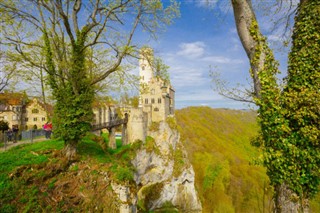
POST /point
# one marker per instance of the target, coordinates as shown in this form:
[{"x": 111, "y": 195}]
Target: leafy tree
[
  {"x": 289, "y": 118},
  {"x": 4, "y": 125},
  {"x": 7, "y": 71},
  {"x": 69, "y": 34}
]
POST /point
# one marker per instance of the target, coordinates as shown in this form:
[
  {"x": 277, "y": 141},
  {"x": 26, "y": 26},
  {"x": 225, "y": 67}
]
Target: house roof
[{"x": 12, "y": 98}]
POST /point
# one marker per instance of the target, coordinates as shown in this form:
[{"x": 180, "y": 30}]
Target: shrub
[{"x": 154, "y": 126}]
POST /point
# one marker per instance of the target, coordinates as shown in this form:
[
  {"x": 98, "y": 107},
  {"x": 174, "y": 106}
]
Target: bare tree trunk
[
  {"x": 245, "y": 20},
  {"x": 70, "y": 150},
  {"x": 286, "y": 201}
]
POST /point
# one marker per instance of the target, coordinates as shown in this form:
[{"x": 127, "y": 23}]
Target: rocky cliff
[{"x": 164, "y": 177}]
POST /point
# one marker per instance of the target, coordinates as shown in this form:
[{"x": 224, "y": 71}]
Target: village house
[
  {"x": 36, "y": 114},
  {"x": 16, "y": 109}
]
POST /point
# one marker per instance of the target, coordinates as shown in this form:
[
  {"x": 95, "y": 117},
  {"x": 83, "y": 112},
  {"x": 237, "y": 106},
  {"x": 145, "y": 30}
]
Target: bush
[
  {"x": 154, "y": 126},
  {"x": 124, "y": 174}
]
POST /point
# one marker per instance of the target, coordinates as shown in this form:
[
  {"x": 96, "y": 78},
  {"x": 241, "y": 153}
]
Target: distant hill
[{"x": 218, "y": 145}]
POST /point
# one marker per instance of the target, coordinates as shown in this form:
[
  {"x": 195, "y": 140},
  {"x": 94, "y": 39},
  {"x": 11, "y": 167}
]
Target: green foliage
[
  {"x": 4, "y": 125},
  {"x": 210, "y": 175},
  {"x": 123, "y": 173},
  {"x": 161, "y": 70},
  {"x": 290, "y": 121},
  {"x": 179, "y": 163},
  {"x": 218, "y": 145},
  {"x": 148, "y": 194},
  {"x": 150, "y": 143},
  {"x": 151, "y": 146},
  {"x": 171, "y": 121},
  {"x": 168, "y": 207},
  {"x": 154, "y": 126}
]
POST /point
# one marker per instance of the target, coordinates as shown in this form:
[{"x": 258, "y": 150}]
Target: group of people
[
  {"x": 48, "y": 129},
  {"x": 12, "y": 134}
]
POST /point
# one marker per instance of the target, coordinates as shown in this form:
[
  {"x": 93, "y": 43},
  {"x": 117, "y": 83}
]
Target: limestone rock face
[{"x": 164, "y": 174}]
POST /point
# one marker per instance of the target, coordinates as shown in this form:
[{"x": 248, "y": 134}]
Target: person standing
[
  {"x": 15, "y": 131},
  {"x": 45, "y": 128},
  {"x": 49, "y": 130},
  {"x": 9, "y": 134}
]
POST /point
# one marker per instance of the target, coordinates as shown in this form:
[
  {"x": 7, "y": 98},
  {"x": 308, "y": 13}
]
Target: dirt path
[{"x": 11, "y": 144}]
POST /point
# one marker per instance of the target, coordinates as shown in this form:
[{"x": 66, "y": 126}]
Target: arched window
[{"x": 156, "y": 109}]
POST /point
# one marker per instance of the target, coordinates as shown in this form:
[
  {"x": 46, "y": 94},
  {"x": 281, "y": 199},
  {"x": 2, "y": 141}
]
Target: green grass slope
[
  {"x": 218, "y": 145},
  {"x": 38, "y": 178}
]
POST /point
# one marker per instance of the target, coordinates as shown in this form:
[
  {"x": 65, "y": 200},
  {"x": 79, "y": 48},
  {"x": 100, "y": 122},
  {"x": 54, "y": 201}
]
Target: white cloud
[
  {"x": 206, "y": 3},
  {"x": 191, "y": 50},
  {"x": 199, "y": 95},
  {"x": 184, "y": 77},
  {"x": 222, "y": 60}
]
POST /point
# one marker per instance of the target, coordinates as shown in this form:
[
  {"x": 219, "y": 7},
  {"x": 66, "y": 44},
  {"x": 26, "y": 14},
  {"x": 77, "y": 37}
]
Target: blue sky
[{"x": 202, "y": 38}]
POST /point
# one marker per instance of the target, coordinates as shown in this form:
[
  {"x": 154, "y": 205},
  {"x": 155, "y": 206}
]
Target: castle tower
[{"x": 145, "y": 65}]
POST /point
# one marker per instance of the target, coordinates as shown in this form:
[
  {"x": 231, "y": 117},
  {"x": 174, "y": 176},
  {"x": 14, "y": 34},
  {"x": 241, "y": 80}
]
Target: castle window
[
  {"x": 156, "y": 109},
  {"x": 152, "y": 100},
  {"x": 5, "y": 117},
  {"x": 14, "y": 118},
  {"x": 35, "y": 119},
  {"x": 35, "y": 111},
  {"x": 43, "y": 119},
  {"x": 26, "y": 119},
  {"x": 159, "y": 100},
  {"x": 146, "y": 101}
]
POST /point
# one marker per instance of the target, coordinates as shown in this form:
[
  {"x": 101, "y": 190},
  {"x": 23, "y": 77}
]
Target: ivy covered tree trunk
[
  {"x": 289, "y": 119},
  {"x": 301, "y": 98},
  {"x": 74, "y": 97},
  {"x": 73, "y": 110}
]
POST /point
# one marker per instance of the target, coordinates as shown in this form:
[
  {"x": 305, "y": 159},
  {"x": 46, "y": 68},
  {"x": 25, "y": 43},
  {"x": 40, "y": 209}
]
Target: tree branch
[
  {"x": 123, "y": 53},
  {"x": 65, "y": 21},
  {"x": 76, "y": 9}
]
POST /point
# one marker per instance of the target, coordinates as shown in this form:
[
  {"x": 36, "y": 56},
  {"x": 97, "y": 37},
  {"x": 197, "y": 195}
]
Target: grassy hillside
[
  {"x": 38, "y": 178},
  {"x": 218, "y": 145}
]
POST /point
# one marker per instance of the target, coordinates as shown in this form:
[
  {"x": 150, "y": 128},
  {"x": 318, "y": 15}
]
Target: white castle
[
  {"x": 156, "y": 98},
  {"x": 156, "y": 103}
]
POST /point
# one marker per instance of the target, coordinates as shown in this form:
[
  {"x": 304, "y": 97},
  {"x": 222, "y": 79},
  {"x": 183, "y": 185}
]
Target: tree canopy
[{"x": 71, "y": 35}]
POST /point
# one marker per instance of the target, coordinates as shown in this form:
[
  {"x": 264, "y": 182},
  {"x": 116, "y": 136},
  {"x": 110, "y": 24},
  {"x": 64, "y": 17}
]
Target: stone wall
[{"x": 137, "y": 125}]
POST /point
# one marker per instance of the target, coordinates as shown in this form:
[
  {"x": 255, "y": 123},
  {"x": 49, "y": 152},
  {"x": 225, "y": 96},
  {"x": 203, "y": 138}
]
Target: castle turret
[{"x": 145, "y": 68}]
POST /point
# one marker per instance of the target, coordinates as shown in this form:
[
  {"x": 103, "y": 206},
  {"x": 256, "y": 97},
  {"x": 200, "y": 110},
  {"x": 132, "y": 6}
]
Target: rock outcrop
[{"x": 164, "y": 174}]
